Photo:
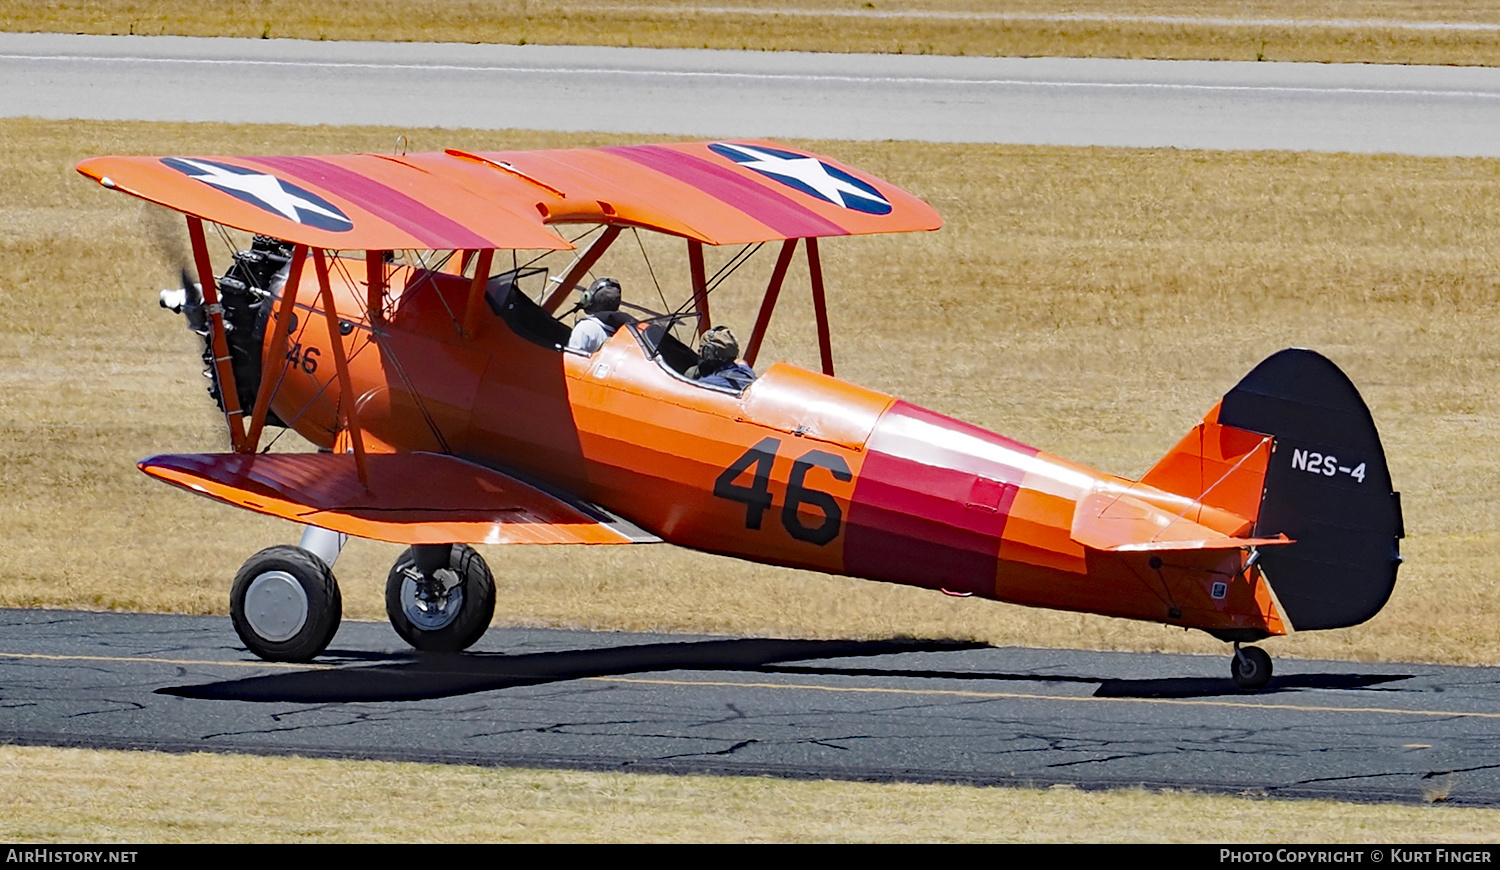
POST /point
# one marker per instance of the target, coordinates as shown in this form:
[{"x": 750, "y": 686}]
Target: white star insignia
[
  {"x": 807, "y": 171},
  {"x": 266, "y": 189}
]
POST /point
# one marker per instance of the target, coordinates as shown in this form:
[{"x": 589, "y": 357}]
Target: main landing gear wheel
[
  {"x": 441, "y": 609},
  {"x": 285, "y": 604},
  {"x": 1250, "y": 668}
]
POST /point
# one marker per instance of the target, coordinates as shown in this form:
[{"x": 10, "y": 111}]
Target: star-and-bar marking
[
  {"x": 807, "y": 174},
  {"x": 266, "y": 192}
]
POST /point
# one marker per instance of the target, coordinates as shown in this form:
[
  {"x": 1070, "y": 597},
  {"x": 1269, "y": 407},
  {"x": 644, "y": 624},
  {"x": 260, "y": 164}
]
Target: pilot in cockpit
[
  {"x": 718, "y": 361},
  {"x": 602, "y": 316}
]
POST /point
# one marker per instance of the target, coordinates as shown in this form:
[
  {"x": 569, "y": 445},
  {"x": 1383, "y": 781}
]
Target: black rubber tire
[
  {"x": 269, "y": 628},
  {"x": 1250, "y": 668},
  {"x": 469, "y": 621}
]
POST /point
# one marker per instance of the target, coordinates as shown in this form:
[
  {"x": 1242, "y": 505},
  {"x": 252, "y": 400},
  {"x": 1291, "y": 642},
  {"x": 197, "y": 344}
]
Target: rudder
[{"x": 1327, "y": 487}]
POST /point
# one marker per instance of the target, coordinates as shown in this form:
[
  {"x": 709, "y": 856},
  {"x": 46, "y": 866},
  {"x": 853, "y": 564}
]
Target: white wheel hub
[{"x": 276, "y": 606}]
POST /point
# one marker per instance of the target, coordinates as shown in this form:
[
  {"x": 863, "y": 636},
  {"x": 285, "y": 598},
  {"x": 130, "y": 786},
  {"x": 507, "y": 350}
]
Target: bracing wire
[
  {"x": 649, "y": 269},
  {"x": 224, "y": 236},
  {"x": 740, "y": 258},
  {"x": 426, "y": 281},
  {"x": 573, "y": 241},
  {"x": 341, "y": 268},
  {"x": 683, "y": 312}
]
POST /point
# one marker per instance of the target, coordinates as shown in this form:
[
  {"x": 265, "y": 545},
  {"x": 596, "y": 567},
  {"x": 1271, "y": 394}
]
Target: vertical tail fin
[
  {"x": 1326, "y": 486},
  {"x": 1217, "y": 466}
]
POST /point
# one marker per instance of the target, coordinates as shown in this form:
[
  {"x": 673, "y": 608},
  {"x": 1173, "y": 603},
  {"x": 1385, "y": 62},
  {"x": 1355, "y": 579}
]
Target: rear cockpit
[{"x": 535, "y": 305}]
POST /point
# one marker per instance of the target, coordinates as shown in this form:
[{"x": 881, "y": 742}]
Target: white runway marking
[
  {"x": 1425, "y": 110},
  {"x": 807, "y": 78}
]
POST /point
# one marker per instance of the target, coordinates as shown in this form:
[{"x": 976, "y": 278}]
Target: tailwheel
[
  {"x": 440, "y": 598},
  {"x": 285, "y": 604},
  {"x": 1250, "y": 667}
]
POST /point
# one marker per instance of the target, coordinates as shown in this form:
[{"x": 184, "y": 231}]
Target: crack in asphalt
[
  {"x": 730, "y": 750},
  {"x": 1451, "y": 771},
  {"x": 120, "y": 706}
]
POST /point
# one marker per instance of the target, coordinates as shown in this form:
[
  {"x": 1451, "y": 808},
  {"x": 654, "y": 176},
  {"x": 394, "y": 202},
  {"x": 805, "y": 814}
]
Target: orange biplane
[{"x": 372, "y": 315}]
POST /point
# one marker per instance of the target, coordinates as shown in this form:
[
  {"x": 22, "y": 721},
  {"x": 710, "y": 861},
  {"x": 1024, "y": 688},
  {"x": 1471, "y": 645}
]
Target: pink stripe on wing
[
  {"x": 431, "y": 228},
  {"x": 782, "y": 214}
]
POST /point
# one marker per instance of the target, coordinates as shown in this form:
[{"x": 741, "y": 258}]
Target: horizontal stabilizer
[
  {"x": 412, "y": 498},
  {"x": 1122, "y": 523}
]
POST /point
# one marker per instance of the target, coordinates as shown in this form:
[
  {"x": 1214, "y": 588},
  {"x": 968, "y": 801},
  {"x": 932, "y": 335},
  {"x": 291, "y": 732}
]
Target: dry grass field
[
  {"x": 1277, "y": 30},
  {"x": 74, "y": 796},
  {"x": 1092, "y": 302}
]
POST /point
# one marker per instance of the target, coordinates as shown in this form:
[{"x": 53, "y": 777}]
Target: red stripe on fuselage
[
  {"x": 784, "y": 215},
  {"x": 386, "y": 203},
  {"x": 931, "y": 502}
]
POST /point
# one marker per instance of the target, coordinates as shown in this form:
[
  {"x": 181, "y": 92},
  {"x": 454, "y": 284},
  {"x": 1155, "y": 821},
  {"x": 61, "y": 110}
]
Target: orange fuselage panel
[{"x": 801, "y": 469}]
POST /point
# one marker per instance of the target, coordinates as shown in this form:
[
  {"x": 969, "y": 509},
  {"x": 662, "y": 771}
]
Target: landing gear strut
[
  {"x": 440, "y": 598},
  {"x": 1250, "y": 667},
  {"x": 285, "y": 604}
]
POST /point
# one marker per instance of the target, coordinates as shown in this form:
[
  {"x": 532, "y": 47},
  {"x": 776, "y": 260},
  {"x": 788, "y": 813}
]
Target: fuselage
[{"x": 799, "y": 469}]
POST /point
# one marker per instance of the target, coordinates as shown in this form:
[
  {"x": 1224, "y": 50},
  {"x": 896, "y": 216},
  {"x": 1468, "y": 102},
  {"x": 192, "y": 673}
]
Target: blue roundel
[
  {"x": 266, "y": 192},
  {"x": 807, "y": 174}
]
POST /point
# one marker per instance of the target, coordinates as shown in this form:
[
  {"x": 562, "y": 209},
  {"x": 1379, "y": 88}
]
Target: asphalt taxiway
[{"x": 880, "y": 710}]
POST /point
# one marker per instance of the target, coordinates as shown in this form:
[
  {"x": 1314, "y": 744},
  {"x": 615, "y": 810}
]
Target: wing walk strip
[{"x": 803, "y": 687}]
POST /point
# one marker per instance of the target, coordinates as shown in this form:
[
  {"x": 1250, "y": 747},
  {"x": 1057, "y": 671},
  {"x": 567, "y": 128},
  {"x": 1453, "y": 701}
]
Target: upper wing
[
  {"x": 720, "y": 193},
  {"x": 412, "y": 498},
  {"x": 347, "y": 202},
  {"x": 715, "y": 192}
]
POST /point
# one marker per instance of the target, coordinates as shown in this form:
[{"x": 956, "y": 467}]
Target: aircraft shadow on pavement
[
  {"x": 1171, "y": 687},
  {"x": 415, "y": 676},
  {"x": 1200, "y": 687}
]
